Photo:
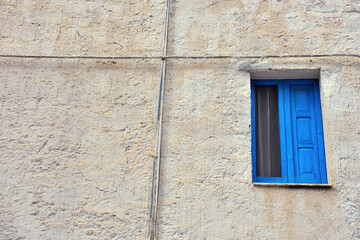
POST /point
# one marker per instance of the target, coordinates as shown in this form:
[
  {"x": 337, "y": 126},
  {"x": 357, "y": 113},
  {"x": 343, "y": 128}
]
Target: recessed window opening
[
  {"x": 268, "y": 159},
  {"x": 287, "y": 132}
]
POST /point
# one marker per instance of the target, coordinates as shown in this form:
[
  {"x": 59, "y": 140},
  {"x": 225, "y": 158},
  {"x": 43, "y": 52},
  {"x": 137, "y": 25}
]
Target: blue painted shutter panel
[{"x": 304, "y": 134}]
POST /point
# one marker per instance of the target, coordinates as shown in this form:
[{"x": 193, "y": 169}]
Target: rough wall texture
[
  {"x": 77, "y": 136},
  {"x": 76, "y": 146},
  {"x": 81, "y": 27},
  {"x": 206, "y": 189}
]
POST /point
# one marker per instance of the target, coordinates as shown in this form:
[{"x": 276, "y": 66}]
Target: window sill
[{"x": 257, "y": 184}]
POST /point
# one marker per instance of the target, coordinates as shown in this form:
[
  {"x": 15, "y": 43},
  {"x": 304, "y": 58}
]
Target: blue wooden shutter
[
  {"x": 300, "y": 129},
  {"x": 282, "y": 177},
  {"x": 306, "y": 167}
]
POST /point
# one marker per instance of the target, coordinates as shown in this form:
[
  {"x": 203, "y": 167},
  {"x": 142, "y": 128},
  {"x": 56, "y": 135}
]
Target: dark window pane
[{"x": 268, "y": 160}]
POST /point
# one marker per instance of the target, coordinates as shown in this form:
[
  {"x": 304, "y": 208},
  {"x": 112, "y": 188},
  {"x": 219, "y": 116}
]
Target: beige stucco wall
[
  {"x": 206, "y": 187},
  {"x": 76, "y": 147},
  {"x": 77, "y": 136}
]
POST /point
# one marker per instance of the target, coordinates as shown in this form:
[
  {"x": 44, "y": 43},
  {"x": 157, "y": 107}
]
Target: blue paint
[{"x": 301, "y": 132}]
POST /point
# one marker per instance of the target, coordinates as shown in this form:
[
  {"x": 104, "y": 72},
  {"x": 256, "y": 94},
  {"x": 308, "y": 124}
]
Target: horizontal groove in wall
[{"x": 180, "y": 57}]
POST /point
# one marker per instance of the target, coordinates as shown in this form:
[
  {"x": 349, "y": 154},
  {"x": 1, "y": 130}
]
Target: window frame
[{"x": 286, "y": 132}]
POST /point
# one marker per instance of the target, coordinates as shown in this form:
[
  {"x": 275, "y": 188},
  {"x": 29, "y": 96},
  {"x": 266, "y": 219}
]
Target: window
[{"x": 287, "y": 132}]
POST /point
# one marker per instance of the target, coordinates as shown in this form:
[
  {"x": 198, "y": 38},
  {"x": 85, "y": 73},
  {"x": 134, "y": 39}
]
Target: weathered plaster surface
[
  {"x": 77, "y": 136},
  {"x": 76, "y": 145},
  {"x": 206, "y": 189},
  {"x": 81, "y": 27},
  {"x": 264, "y": 27}
]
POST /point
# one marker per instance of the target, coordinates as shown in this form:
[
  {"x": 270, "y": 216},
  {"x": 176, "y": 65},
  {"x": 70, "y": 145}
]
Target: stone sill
[{"x": 292, "y": 185}]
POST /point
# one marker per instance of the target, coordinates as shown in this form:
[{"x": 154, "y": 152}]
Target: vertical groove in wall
[{"x": 152, "y": 232}]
